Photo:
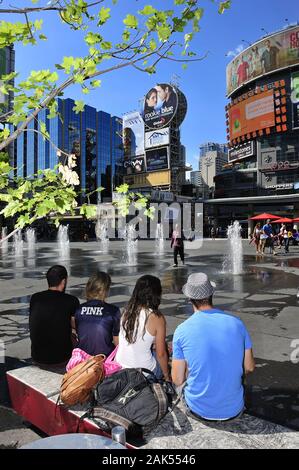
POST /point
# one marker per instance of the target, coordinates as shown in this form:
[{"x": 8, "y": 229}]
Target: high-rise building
[
  {"x": 94, "y": 137},
  {"x": 195, "y": 178},
  {"x": 262, "y": 120},
  {"x": 7, "y": 66},
  {"x": 212, "y": 147},
  {"x": 210, "y": 165}
]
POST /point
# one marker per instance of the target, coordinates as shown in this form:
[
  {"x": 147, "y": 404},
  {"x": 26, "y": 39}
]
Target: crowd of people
[
  {"x": 211, "y": 350},
  {"x": 264, "y": 236}
]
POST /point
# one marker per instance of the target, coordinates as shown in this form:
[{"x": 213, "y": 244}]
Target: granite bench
[{"x": 34, "y": 392}]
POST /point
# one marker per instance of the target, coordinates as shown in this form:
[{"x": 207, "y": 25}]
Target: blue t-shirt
[
  {"x": 213, "y": 343},
  {"x": 96, "y": 324},
  {"x": 267, "y": 230}
]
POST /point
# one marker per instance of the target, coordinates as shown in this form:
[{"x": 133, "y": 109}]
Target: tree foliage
[{"x": 147, "y": 35}]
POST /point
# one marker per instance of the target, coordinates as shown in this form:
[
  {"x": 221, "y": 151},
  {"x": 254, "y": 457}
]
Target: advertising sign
[
  {"x": 275, "y": 52},
  {"x": 133, "y": 134},
  {"x": 295, "y": 98},
  {"x": 157, "y": 138},
  {"x": 160, "y": 106},
  {"x": 252, "y": 114},
  {"x": 134, "y": 166},
  {"x": 241, "y": 151},
  {"x": 157, "y": 159}
]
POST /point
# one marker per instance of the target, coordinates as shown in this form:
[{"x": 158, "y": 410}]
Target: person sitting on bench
[
  {"x": 211, "y": 351},
  {"x": 97, "y": 322},
  {"x": 51, "y": 320}
]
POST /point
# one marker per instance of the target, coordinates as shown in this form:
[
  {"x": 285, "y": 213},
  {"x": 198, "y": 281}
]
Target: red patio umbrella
[
  {"x": 283, "y": 220},
  {"x": 264, "y": 216},
  {"x": 296, "y": 220}
]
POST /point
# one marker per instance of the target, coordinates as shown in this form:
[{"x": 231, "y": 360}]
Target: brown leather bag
[{"x": 77, "y": 384}]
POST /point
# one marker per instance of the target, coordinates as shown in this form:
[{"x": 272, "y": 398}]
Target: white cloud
[
  {"x": 286, "y": 26},
  {"x": 237, "y": 51}
]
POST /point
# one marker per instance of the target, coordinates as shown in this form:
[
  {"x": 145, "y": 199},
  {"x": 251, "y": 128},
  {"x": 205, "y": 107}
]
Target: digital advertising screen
[
  {"x": 273, "y": 53},
  {"x": 157, "y": 159},
  {"x": 252, "y": 114}
]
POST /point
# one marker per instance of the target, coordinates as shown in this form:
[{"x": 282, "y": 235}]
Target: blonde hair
[{"x": 98, "y": 286}]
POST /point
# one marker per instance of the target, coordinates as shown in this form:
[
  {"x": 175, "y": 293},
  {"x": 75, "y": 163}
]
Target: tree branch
[
  {"x": 65, "y": 85},
  {"x": 16, "y": 10}
]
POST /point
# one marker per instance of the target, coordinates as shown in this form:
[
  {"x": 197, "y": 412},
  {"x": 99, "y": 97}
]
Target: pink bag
[
  {"x": 110, "y": 366},
  {"x": 78, "y": 356}
]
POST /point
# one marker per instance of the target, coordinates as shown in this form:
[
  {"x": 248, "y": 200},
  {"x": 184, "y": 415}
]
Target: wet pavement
[{"x": 264, "y": 297}]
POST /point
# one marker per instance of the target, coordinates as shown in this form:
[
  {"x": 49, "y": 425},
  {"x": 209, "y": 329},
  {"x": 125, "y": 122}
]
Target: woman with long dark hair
[{"x": 143, "y": 330}]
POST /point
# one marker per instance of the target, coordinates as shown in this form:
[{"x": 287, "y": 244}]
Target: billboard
[
  {"x": 252, "y": 114},
  {"x": 157, "y": 159},
  {"x": 134, "y": 166},
  {"x": 157, "y": 138},
  {"x": 160, "y": 106},
  {"x": 295, "y": 98},
  {"x": 133, "y": 134},
  {"x": 275, "y": 52},
  {"x": 241, "y": 151},
  {"x": 146, "y": 180}
]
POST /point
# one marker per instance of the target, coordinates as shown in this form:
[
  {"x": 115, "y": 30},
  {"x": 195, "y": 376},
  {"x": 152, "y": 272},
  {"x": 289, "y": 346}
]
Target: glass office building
[{"x": 94, "y": 137}]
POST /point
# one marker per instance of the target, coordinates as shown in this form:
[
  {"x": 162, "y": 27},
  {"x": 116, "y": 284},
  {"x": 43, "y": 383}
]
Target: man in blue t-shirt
[
  {"x": 268, "y": 232},
  {"x": 211, "y": 352}
]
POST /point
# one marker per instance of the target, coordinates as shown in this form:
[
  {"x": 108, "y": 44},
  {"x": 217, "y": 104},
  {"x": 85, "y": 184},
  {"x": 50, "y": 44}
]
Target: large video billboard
[
  {"x": 157, "y": 159},
  {"x": 133, "y": 134},
  {"x": 251, "y": 115},
  {"x": 160, "y": 106},
  {"x": 295, "y": 98},
  {"x": 275, "y": 52}
]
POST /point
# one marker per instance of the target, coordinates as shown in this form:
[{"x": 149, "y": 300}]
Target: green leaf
[
  {"x": 150, "y": 212},
  {"x": 131, "y": 21},
  {"x": 147, "y": 10},
  {"x": 79, "y": 106},
  {"x": 88, "y": 211},
  {"x": 164, "y": 32},
  {"x": 43, "y": 130},
  {"x": 224, "y": 6},
  {"x": 122, "y": 189},
  {"x": 152, "y": 45},
  {"x": 104, "y": 15}
]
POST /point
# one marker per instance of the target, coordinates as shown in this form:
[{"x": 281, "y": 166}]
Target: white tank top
[{"x": 138, "y": 354}]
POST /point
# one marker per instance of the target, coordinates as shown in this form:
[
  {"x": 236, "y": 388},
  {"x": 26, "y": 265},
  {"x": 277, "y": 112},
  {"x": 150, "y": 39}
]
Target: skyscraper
[{"x": 94, "y": 137}]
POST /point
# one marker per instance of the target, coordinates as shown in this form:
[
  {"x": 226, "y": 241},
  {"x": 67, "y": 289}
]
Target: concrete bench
[{"x": 34, "y": 394}]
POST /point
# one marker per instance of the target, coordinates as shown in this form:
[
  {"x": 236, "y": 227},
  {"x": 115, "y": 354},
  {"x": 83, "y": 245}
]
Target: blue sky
[{"x": 203, "y": 82}]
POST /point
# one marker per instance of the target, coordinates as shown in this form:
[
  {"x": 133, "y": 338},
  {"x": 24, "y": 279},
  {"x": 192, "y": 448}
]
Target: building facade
[
  {"x": 210, "y": 165},
  {"x": 7, "y": 66},
  {"x": 262, "y": 174},
  {"x": 94, "y": 137},
  {"x": 211, "y": 147}
]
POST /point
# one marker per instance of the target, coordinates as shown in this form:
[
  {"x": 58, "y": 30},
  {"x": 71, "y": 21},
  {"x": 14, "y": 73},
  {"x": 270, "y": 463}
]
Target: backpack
[
  {"x": 77, "y": 383},
  {"x": 130, "y": 399}
]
